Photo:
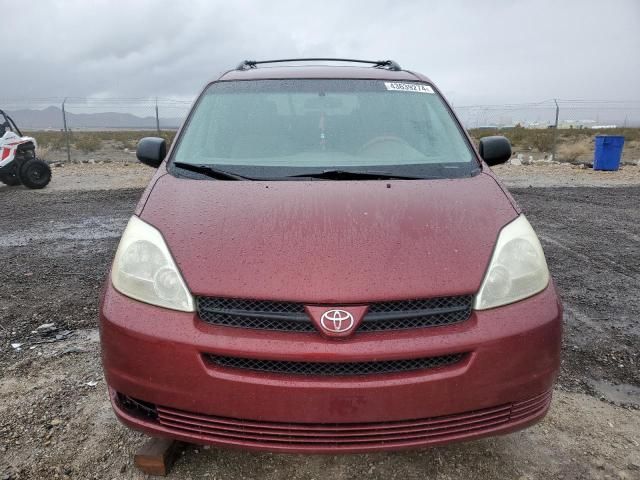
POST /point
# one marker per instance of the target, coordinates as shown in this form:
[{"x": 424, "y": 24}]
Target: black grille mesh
[
  {"x": 424, "y": 304},
  {"x": 405, "y": 314},
  {"x": 291, "y": 316},
  {"x": 259, "y": 323},
  {"x": 252, "y": 305},
  {"x": 257, "y": 314},
  {"x": 333, "y": 369}
]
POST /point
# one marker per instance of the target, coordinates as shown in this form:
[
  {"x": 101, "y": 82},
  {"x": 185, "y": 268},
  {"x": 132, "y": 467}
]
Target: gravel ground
[
  {"x": 565, "y": 175},
  {"x": 74, "y": 176},
  {"x": 55, "y": 418}
]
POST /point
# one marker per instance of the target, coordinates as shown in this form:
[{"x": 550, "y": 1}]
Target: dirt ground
[
  {"x": 109, "y": 151},
  {"x": 565, "y": 175},
  {"x": 56, "y": 421},
  {"x": 107, "y": 176}
]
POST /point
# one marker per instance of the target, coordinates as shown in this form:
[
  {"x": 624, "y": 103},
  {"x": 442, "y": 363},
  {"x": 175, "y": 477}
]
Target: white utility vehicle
[{"x": 18, "y": 161}]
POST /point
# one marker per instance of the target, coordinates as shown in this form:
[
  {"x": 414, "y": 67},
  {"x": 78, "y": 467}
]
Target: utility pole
[
  {"x": 555, "y": 132},
  {"x": 66, "y": 131},
  {"x": 157, "y": 118}
]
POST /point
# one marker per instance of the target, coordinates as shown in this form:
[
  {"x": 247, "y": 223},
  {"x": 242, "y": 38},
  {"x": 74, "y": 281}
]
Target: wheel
[
  {"x": 10, "y": 178},
  {"x": 35, "y": 173}
]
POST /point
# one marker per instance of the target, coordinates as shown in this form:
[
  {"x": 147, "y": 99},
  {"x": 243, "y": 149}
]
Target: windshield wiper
[
  {"x": 210, "y": 171},
  {"x": 355, "y": 175}
]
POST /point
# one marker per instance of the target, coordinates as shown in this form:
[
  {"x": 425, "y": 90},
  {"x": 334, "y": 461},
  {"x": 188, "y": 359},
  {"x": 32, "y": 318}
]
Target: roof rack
[{"x": 389, "y": 64}]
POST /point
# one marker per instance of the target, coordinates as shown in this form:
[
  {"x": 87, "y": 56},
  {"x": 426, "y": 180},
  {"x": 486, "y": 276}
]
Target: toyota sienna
[{"x": 323, "y": 262}]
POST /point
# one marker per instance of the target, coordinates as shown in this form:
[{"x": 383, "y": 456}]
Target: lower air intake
[{"x": 331, "y": 368}]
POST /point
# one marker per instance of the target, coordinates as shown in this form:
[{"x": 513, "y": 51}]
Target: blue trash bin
[{"x": 608, "y": 152}]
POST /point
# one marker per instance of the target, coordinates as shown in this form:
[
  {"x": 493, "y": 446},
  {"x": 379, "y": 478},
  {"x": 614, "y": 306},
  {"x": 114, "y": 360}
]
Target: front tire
[
  {"x": 35, "y": 173},
  {"x": 10, "y": 178}
]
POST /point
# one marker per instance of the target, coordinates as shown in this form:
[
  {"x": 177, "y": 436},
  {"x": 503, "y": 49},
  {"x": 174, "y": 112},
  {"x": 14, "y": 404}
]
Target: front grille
[
  {"x": 331, "y": 368},
  {"x": 257, "y": 314},
  {"x": 405, "y": 314},
  {"x": 349, "y": 436},
  {"x": 291, "y": 316}
]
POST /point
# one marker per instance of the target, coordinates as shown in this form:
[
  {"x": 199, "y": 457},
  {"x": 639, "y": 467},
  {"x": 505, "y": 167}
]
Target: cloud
[{"x": 477, "y": 52}]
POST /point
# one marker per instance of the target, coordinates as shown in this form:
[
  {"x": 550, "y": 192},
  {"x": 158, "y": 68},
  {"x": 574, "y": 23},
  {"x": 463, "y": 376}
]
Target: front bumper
[{"x": 503, "y": 384}]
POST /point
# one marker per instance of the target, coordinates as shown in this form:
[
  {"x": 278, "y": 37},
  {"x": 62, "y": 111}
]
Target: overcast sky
[{"x": 476, "y": 51}]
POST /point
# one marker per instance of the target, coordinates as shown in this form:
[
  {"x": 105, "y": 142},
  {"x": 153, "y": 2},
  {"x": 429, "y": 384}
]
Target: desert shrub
[
  {"x": 130, "y": 144},
  {"x": 517, "y": 135},
  {"x": 478, "y": 133},
  {"x": 57, "y": 143},
  {"x": 50, "y": 140},
  {"x": 87, "y": 142},
  {"x": 570, "y": 152},
  {"x": 43, "y": 152},
  {"x": 522, "y": 138},
  {"x": 91, "y": 141},
  {"x": 130, "y": 139},
  {"x": 542, "y": 140},
  {"x": 629, "y": 134}
]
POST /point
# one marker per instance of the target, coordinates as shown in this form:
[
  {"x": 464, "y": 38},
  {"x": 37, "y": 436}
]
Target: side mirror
[
  {"x": 151, "y": 151},
  {"x": 495, "y": 150}
]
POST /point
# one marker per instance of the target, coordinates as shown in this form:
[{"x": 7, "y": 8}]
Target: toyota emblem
[{"x": 337, "y": 321}]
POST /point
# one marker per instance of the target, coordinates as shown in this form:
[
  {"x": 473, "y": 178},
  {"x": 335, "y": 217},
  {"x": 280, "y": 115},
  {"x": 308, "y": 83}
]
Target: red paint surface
[
  {"x": 345, "y": 438},
  {"x": 336, "y": 242},
  {"x": 155, "y": 355}
]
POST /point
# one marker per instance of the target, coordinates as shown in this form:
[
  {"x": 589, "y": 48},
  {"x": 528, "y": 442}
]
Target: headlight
[
  {"x": 144, "y": 269},
  {"x": 517, "y": 269}
]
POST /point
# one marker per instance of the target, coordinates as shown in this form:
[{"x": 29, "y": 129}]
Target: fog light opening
[{"x": 137, "y": 408}]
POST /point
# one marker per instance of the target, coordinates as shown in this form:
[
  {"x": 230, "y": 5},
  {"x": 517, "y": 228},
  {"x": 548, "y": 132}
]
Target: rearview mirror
[
  {"x": 151, "y": 151},
  {"x": 495, "y": 150}
]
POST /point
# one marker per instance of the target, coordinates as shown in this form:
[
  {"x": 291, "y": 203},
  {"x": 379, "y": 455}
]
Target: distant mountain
[{"x": 51, "y": 118}]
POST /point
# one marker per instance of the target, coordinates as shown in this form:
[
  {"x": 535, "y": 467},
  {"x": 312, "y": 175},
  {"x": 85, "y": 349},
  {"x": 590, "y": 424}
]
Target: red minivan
[{"x": 324, "y": 263}]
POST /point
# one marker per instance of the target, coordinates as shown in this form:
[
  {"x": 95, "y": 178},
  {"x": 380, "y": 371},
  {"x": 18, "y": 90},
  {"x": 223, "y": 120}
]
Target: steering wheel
[{"x": 381, "y": 140}]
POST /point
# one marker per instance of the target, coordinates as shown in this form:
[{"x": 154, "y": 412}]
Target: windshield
[{"x": 281, "y": 128}]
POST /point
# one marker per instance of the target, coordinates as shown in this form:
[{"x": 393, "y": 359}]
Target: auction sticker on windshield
[{"x": 408, "y": 87}]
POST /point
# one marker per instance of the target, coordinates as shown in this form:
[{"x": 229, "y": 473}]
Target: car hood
[{"x": 330, "y": 241}]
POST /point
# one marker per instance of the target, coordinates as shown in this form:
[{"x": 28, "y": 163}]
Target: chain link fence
[
  {"x": 571, "y": 114},
  {"x": 78, "y": 129},
  {"x": 559, "y": 129}
]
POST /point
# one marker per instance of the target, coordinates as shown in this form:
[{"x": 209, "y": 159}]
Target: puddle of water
[
  {"x": 622, "y": 393},
  {"x": 95, "y": 228}
]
